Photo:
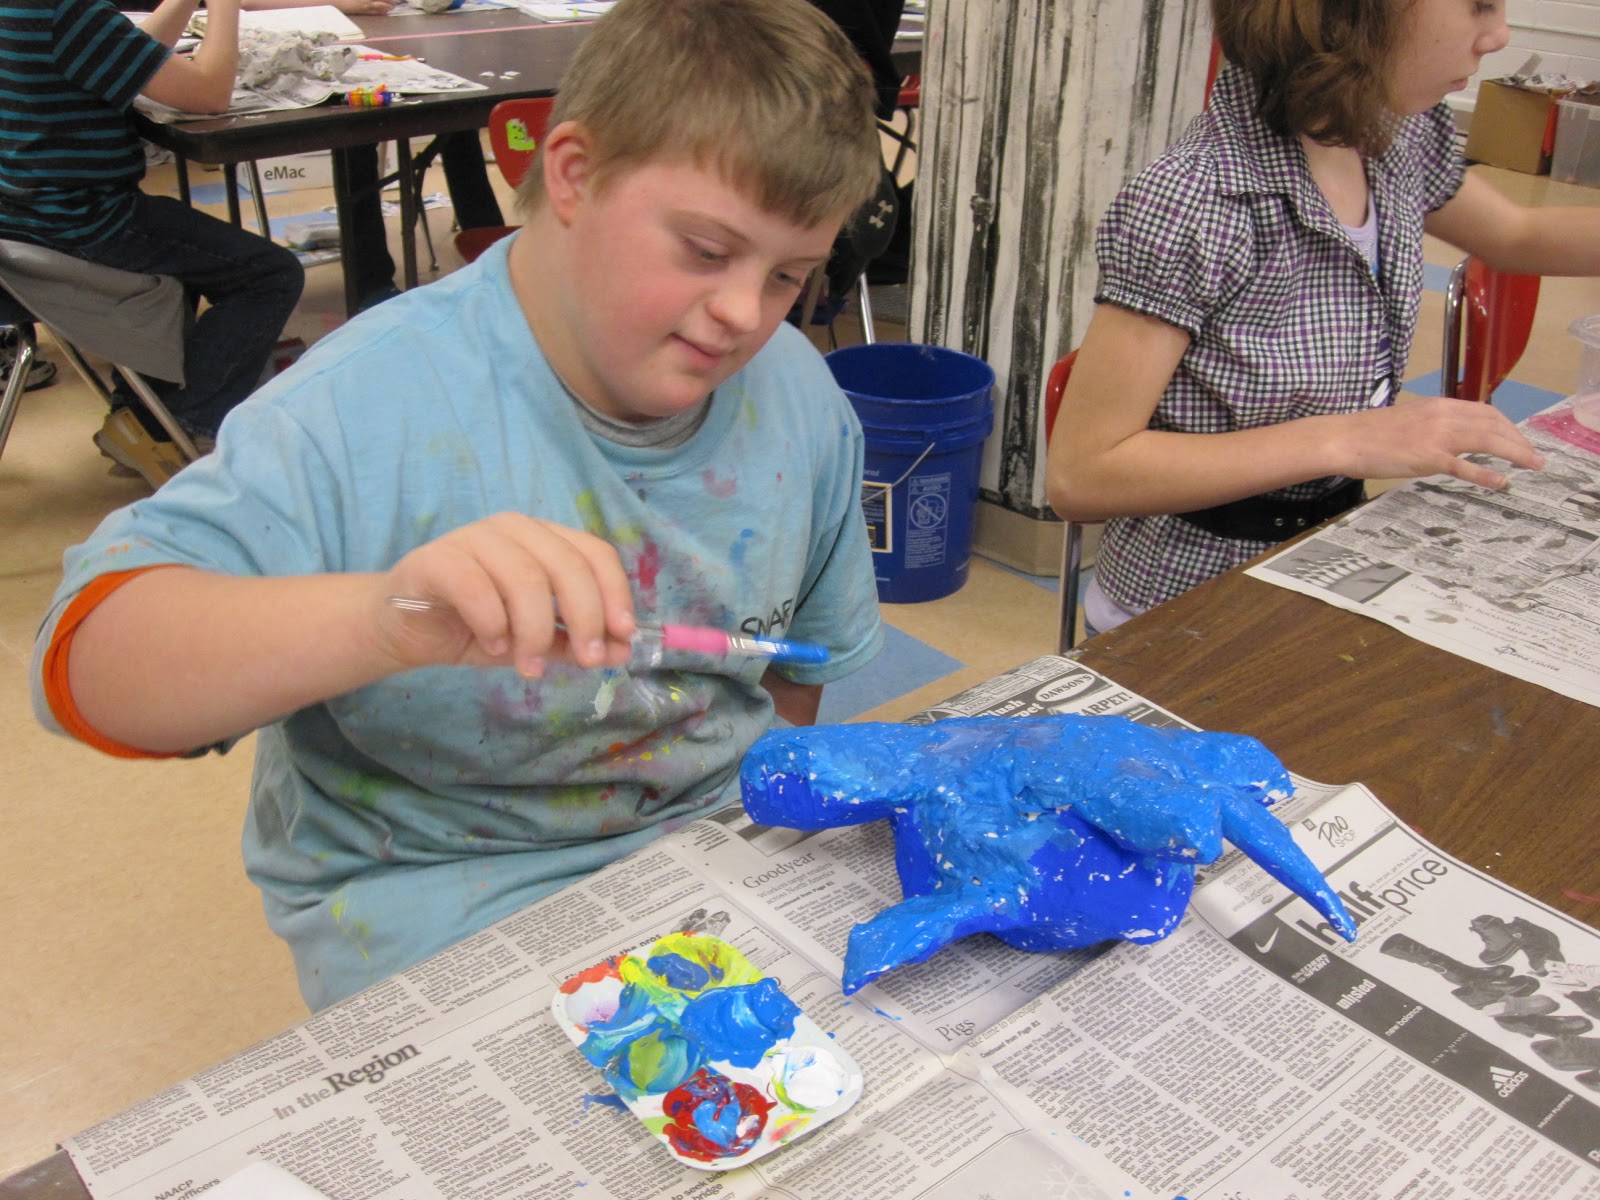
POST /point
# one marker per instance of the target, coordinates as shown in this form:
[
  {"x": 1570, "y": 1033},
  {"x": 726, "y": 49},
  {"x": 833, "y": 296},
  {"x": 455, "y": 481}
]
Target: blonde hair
[
  {"x": 1321, "y": 67},
  {"x": 769, "y": 93}
]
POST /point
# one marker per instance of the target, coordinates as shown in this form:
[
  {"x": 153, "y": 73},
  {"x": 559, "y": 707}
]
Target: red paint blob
[{"x": 712, "y": 1117}]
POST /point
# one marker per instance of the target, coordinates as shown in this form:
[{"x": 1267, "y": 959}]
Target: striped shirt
[
  {"x": 1226, "y": 237},
  {"x": 69, "y": 158}
]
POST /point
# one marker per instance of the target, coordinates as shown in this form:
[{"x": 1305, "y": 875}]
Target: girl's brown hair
[
  {"x": 769, "y": 93},
  {"x": 1321, "y": 67}
]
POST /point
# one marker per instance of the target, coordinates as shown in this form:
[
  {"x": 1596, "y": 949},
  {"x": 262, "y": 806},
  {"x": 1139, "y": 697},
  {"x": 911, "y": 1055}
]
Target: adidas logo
[{"x": 1506, "y": 1081}]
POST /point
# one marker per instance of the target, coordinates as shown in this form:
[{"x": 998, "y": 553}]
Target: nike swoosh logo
[{"x": 1263, "y": 947}]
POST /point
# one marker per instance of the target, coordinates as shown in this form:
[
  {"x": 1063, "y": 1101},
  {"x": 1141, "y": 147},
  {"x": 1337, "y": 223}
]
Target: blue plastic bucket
[{"x": 926, "y": 412}]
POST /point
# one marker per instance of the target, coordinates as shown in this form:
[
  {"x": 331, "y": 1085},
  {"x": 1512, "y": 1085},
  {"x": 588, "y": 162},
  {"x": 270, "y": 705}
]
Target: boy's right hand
[
  {"x": 499, "y": 586},
  {"x": 1417, "y": 437}
]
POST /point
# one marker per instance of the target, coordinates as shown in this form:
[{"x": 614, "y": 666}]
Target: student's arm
[
  {"x": 1512, "y": 237},
  {"x": 178, "y": 657},
  {"x": 203, "y": 81},
  {"x": 354, "y": 8},
  {"x": 796, "y": 703},
  {"x": 167, "y": 23},
  {"x": 1105, "y": 462}
]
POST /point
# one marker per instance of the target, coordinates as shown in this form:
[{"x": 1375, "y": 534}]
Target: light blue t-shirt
[{"x": 390, "y": 822}]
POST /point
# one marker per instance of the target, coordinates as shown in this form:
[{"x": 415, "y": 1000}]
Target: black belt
[{"x": 1264, "y": 519}]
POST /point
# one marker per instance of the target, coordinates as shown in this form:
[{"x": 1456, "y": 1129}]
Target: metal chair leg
[
  {"x": 868, "y": 330},
  {"x": 141, "y": 388},
  {"x": 258, "y": 195},
  {"x": 1071, "y": 573},
  {"x": 1450, "y": 366},
  {"x": 27, "y": 348}
]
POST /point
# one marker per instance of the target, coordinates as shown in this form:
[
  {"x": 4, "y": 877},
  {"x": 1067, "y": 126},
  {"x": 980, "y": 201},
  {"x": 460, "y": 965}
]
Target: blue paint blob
[
  {"x": 1052, "y": 832},
  {"x": 603, "y": 1100},
  {"x": 684, "y": 974},
  {"x": 740, "y": 1024}
]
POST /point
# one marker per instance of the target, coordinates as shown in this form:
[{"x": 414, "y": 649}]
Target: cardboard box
[
  {"x": 1512, "y": 127},
  {"x": 294, "y": 171}
]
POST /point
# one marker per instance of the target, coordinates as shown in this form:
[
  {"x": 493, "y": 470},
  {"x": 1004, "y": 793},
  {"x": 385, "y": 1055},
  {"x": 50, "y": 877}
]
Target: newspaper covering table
[
  {"x": 1252, "y": 1053},
  {"x": 1507, "y": 579}
]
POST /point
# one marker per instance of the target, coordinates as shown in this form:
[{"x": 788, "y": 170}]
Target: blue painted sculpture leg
[{"x": 1050, "y": 832}]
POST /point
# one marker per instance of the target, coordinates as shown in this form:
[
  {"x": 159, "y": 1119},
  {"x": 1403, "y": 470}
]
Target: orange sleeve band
[{"x": 58, "y": 689}]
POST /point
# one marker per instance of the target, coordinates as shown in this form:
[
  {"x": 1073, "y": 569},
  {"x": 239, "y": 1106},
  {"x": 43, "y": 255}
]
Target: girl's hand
[
  {"x": 364, "y": 8},
  {"x": 500, "y": 585},
  {"x": 1413, "y": 438}
]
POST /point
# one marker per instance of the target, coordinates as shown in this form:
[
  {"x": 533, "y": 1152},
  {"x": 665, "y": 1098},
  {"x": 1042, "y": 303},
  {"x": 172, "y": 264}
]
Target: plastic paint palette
[{"x": 708, "y": 1052}]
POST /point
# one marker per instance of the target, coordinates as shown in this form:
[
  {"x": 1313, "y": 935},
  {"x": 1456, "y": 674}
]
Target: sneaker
[
  {"x": 40, "y": 374},
  {"x": 126, "y": 442}
]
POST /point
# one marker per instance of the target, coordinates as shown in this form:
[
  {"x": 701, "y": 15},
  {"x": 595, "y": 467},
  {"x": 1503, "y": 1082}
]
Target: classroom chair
[
  {"x": 1072, "y": 541},
  {"x": 515, "y": 129},
  {"x": 137, "y": 322},
  {"x": 1488, "y": 315}
]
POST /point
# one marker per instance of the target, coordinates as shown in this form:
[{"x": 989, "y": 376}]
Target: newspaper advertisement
[
  {"x": 1509, "y": 579},
  {"x": 1252, "y": 1053}
]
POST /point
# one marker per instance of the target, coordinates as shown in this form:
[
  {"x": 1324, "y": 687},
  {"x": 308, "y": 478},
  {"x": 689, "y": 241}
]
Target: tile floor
[{"x": 134, "y": 951}]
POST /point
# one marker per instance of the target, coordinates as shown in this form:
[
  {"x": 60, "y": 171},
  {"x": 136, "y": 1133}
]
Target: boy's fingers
[
  {"x": 611, "y": 579},
  {"x": 549, "y": 578}
]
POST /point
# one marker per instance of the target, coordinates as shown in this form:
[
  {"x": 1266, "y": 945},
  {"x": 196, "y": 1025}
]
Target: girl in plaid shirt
[{"x": 1259, "y": 287}]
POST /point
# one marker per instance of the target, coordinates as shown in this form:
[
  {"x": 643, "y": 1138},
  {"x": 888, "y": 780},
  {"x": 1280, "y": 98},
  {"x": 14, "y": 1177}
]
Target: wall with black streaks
[{"x": 1033, "y": 114}]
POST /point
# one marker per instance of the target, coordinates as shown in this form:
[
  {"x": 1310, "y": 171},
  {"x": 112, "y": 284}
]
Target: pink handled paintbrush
[{"x": 690, "y": 639}]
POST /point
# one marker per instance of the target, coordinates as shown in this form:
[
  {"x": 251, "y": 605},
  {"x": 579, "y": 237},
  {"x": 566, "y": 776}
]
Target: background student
[
  {"x": 70, "y": 166},
  {"x": 1259, "y": 288},
  {"x": 602, "y": 420},
  {"x": 367, "y": 259}
]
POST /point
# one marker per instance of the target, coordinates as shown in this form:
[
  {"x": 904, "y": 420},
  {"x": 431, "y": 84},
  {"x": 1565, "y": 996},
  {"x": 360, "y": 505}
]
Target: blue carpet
[
  {"x": 1050, "y": 583},
  {"x": 1517, "y": 400},
  {"x": 904, "y": 665},
  {"x": 217, "y": 193}
]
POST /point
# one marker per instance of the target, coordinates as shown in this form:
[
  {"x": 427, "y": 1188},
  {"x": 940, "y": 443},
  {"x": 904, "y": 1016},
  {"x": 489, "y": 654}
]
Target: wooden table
[
  {"x": 1502, "y": 774},
  {"x": 480, "y": 46},
  {"x": 484, "y": 47}
]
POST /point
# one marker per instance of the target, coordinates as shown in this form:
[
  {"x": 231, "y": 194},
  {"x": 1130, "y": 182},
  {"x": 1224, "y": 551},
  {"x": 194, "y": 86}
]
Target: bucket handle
[{"x": 930, "y": 448}]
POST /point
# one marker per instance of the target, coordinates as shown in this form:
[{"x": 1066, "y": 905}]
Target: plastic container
[
  {"x": 1587, "y": 331},
  {"x": 1576, "y": 158},
  {"x": 926, "y": 412}
]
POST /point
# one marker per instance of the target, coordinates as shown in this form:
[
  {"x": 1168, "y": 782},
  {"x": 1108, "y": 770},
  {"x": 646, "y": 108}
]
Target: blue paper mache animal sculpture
[{"x": 1050, "y": 832}]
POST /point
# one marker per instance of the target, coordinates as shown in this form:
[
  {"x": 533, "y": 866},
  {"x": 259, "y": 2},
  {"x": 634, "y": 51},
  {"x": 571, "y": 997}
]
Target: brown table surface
[
  {"x": 1499, "y": 773},
  {"x": 465, "y": 44}
]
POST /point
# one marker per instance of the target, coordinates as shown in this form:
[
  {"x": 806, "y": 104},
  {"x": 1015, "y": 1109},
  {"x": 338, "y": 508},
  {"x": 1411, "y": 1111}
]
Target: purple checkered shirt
[{"x": 1226, "y": 236}]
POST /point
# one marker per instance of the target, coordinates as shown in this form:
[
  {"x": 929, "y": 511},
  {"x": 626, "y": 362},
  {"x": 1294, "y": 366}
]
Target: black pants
[
  {"x": 250, "y": 285},
  {"x": 368, "y": 260}
]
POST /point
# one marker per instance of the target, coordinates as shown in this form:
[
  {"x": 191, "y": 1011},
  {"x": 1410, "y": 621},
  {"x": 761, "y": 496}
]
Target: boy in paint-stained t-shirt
[{"x": 604, "y": 421}]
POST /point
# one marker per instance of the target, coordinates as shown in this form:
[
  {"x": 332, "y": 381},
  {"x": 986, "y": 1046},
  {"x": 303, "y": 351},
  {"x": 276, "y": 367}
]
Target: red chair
[
  {"x": 1488, "y": 315},
  {"x": 1072, "y": 545},
  {"x": 910, "y": 100},
  {"x": 516, "y": 127}
]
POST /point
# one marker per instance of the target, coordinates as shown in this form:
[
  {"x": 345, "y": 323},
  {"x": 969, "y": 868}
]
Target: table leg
[
  {"x": 182, "y": 164},
  {"x": 344, "y": 205},
  {"x": 408, "y": 212},
  {"x": 230, "y": 180}
]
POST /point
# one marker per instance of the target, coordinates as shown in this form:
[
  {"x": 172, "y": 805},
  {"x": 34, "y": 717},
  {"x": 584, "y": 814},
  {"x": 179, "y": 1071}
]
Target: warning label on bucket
[
  {"x": 927, "y": 520},
  {"x": 877, "y": 506}
]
